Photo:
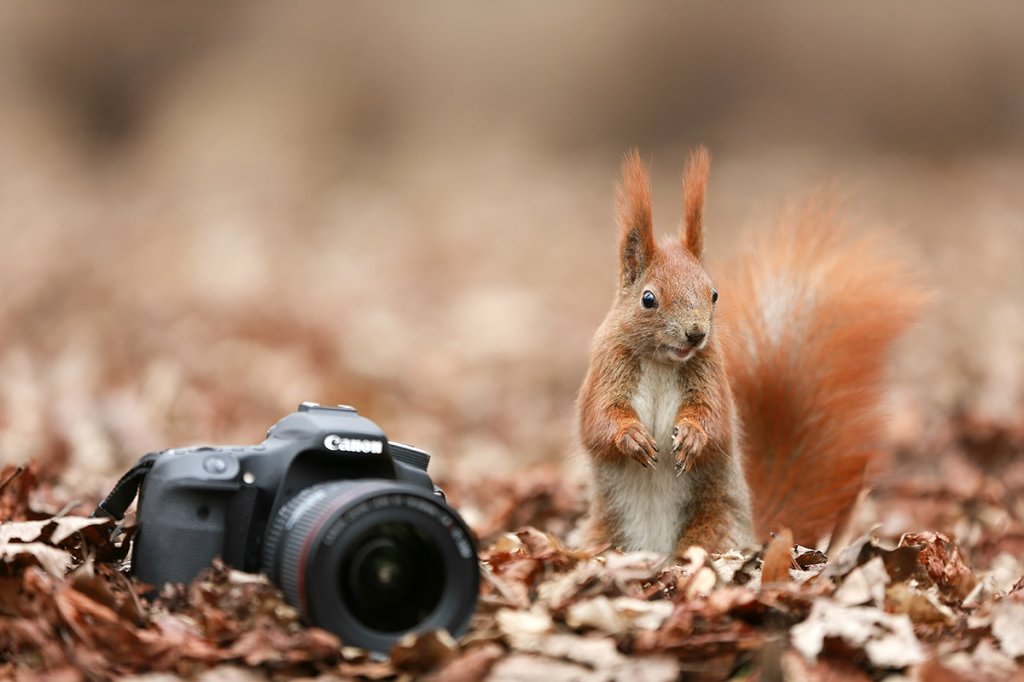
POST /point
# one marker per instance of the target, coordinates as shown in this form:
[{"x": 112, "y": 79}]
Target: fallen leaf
[
  {"x": 1008, "y": 627},
  {"x": 796, "y": 668},
  {"x": 417, "y": 652},
  {"x": 778, "y": 558},
  {"x": 887, "y": 640},
  {"x": 523, "y": 628},
  {"x": 470, "y": 666},
  {"x": 922, "y": 606},
  {"x": 809, "y": 559},
  {"x": 864, "y": 584},
  {"x": 618, "y": 615},
  {"x": 530, "y": 668},
  {"x": 54, "y": 561},
  {"x": 942, "y": 562}
]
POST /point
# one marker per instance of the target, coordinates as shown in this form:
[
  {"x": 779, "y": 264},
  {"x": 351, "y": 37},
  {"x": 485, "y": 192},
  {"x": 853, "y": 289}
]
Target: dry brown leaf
[
  {"x": 795, "y": 668},
  {"x": 470, "y": 666},
  {"x": 696, "y": 575},
  {"x": 809, "y": 559},
  {"x": 922, "y": 606},
  {"x": 54, "y": 561},
  {"x": 617, "y": 616},
  {"x": 1008, "y": 627},
  {"x": 510, "y": 589},
  {"x": 864, "y": 584},
  {"x": 778, "y": 558},
  {"x": 943, "y": 563},
  {"x": 17, "y": 482},
  {"x": 901, "y": 563},
  {"x": 418, "y": 652},
  {"x": 1005, "y": 573},
  {"x": 530, "y": 668},
  {"x": 700, "y": 584},
  {"x": 522, "y": 629},
  {"x": 735, "y": 567},
  {"x": 886, "y": 640}
]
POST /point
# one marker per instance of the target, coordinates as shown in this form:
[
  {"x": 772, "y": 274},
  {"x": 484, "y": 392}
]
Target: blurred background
[{"x": 209, "y": 213}]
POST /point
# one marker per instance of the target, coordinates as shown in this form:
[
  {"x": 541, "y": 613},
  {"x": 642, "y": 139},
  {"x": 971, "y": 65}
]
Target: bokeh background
[{"x": 209, "y": 213}]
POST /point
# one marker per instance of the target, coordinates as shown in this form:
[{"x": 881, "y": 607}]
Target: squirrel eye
[
  {"x": 648, "y": 300},
  {"x": 714, "y": 295}
]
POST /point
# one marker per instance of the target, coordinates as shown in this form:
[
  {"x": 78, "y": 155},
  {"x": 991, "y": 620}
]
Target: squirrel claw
[
  {"x": 645, "y": 460},
  {"x": 688, "y": 442},
  {"x": 639, "y": 445}
]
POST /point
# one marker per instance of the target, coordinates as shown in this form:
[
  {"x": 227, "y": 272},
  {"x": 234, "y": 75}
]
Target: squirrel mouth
[{"x": 680, "y": 354}]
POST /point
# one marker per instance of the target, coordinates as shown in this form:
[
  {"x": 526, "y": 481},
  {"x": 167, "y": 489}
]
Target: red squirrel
[{"x": 713, "y": 433}]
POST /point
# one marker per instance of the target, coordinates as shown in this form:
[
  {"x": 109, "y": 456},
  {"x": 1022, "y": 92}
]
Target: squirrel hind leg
[
  {"x": 720, "y": 525},
  {"x": 592, "y": 532}
]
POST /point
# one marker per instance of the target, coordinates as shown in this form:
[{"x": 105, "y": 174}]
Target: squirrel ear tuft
[
  {"x": 695, "y": 182},
  {"x": 636, "y": 229}
]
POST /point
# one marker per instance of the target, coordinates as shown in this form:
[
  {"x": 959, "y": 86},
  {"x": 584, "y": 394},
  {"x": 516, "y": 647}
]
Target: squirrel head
[{"x": 666, "y": 300}]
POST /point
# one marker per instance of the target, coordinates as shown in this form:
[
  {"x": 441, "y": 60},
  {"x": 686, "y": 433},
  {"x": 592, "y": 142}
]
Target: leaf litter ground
[{"x": 928, "y": 604}]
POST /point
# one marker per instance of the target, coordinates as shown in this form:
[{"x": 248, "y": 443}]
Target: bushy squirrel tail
[{"x": 810, "y": 312}]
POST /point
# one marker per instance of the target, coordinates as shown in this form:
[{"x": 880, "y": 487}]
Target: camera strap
[
  {"x": 116, "y": 503},
  {"x": 239, "y": 520}
]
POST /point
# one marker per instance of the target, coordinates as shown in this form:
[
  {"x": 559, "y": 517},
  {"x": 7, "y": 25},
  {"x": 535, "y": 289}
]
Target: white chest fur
[
  {"x": 651, "y": 504},
  {"x": 656, "y": 402}
]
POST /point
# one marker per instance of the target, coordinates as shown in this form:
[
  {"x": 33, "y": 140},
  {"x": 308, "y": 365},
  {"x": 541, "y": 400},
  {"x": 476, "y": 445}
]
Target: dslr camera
[{"x": 348, "y": 524}]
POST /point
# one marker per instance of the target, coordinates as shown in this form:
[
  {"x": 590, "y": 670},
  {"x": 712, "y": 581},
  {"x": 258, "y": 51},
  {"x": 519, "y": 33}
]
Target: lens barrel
[{"x": 373, "y": 559}]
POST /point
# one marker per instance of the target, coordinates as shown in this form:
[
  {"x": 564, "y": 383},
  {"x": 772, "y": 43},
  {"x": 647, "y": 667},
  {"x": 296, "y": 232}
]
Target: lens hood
[{"x": 372, "y": 559}]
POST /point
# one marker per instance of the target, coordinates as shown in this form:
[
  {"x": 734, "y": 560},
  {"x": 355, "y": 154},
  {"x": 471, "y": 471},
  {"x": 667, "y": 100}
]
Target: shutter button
[{"x": 215, "y": 464}]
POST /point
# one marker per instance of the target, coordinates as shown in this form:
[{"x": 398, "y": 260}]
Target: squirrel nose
[{"x": 695, "y": 336}]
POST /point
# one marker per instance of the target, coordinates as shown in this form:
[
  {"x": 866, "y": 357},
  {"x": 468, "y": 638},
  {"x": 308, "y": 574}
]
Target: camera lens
[
  {"x": 394, "y": 577},
  {"x": 373, "y": 559}
]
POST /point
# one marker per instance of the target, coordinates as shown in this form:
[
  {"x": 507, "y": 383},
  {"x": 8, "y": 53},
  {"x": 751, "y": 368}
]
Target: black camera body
[{"x": 348, "y": 524}]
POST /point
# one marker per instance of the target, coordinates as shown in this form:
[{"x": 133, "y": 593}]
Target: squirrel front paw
[
  {"x": 688, "y": 440},
  {"x": 636, "y": 442}
]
